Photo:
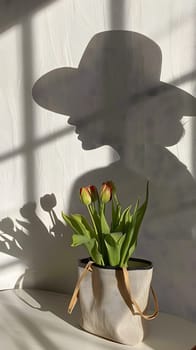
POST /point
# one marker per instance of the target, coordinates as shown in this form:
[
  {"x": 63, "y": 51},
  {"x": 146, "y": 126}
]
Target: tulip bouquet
[{"x": 108, "y": 244}]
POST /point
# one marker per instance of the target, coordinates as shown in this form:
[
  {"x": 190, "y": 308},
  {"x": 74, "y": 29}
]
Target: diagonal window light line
[
  {"x": 175, "y": 24},
  {"x": 188, "y": 77},
  {"x": 9, "y": 264},
  {"x": 35, "y": 144}
]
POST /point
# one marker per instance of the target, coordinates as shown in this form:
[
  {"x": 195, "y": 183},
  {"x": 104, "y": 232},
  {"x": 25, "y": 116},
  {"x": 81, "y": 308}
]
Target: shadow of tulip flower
[
  {"x": 48, "y": 203},
  {"x": 41, "y": 249},
  {"x": 44, "y": 250}
]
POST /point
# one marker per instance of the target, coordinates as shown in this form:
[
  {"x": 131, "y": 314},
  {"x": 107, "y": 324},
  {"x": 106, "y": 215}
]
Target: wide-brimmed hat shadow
[{"x": 118, "y": 77}]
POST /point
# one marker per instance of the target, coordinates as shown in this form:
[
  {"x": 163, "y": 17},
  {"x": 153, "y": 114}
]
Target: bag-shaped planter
[{"x": 113, "y": 300}]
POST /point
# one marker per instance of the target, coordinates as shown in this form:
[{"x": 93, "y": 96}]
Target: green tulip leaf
[
  {"x": 113, "y": 243},
  {"x": 78, "y": 240},
  {"x": 70, "y": 222},
  {"x": 116, "y": 214},
  {"x": 139, "y": 215},
  {"x": 104, "y": 225},
  {"x": 126, "y": 244},
  {"x": 116, "y": 236},
  {"x": 132, "y": 235},
  {"x": 92, "y": 247},
  {"x": 124, "y": 218},
  {"x": 113, "y": 250},
  {"x": 96, "y": 218},
  {"x": 79, "y": 224}
]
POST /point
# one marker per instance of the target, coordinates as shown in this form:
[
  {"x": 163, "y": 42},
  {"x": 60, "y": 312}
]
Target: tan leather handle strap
[
  {"x": 74, "y": 297},
  {"x": 88, "y": 267},
  {"x": 156, "y": 305}
]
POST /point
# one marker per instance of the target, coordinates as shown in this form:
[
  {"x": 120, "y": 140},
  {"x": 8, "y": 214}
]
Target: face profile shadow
[{"x": 115, "y": 97}]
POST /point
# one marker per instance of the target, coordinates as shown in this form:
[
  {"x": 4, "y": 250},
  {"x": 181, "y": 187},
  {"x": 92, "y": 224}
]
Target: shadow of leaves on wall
[{"x": 44, "y": 251}]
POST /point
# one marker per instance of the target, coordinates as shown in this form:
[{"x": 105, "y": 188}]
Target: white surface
[
  {"x": 37, "y": 320},
  {"x": 40, "y": 152}
]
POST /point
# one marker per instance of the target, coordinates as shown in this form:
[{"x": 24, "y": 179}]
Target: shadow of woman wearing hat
[{"x": 115, "y": 97}]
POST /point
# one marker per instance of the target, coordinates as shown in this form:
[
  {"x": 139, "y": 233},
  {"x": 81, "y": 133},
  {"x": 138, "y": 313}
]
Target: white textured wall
[{"x": 40, "y": 153}]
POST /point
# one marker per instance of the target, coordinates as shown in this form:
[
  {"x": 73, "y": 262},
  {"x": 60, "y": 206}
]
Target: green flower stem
[
  {"x": 102, "y": 211},
  {"x": 92, "y": 219},
  {"x": 116, "y": 199},
  {"x": 98, "y": 234},
  {"x": 98, "y": 204},
  {"x": 102, "y": 208}
]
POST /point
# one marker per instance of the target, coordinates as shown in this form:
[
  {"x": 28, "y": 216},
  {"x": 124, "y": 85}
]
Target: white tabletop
[{"x": 37, "y": 320}]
